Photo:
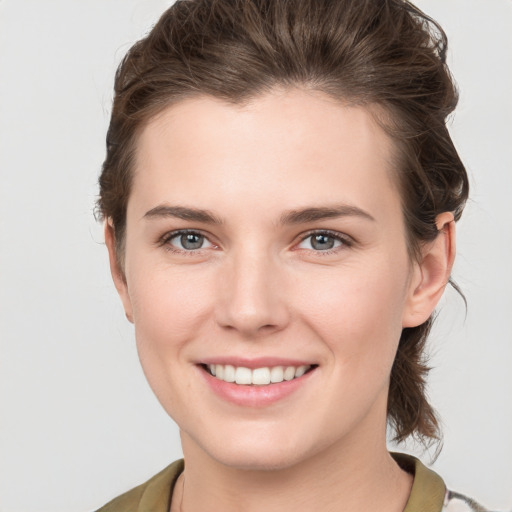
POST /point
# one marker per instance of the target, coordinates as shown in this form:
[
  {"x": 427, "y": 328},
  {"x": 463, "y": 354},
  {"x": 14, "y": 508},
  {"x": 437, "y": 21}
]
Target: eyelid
[
  {"x": 164, "y": 241},
  {"x": 346, "y": 240}
]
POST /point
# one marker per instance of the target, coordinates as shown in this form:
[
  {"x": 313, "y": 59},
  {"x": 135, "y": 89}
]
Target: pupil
[
  {"x": 191, "y": 241},
  {"x": 322, "y": 242}
]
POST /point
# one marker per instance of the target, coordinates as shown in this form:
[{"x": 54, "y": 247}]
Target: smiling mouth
[{"x": 257, "y": 376}]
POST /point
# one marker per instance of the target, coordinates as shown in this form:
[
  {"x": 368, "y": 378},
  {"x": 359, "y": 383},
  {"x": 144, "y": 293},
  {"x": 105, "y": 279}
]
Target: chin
[
  {"x": 263, "y": 451},
  {"x": 259, "y": 460}
]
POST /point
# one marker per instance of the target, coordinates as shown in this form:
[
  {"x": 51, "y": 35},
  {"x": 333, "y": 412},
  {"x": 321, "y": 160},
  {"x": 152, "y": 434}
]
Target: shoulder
[
  {"x": 456, "y": 502},
  {"x": 154, "y": 495}
]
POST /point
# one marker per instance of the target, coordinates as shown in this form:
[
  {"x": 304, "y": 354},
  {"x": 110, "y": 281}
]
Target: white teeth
[
  {"x": 289, "y": 373},
  {"x": 229, "y": 373},
  {"x": 261, "y": 376},
  {"x": 258, "y": 376},
  {"x": 276, "y": 374},
  {"x": 300, "y": 371},
  {"x": 243, "y": 375}
]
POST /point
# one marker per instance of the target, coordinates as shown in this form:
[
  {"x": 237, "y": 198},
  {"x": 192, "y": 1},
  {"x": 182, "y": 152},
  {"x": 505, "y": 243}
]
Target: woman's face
[{"x": 267, "y": 237}]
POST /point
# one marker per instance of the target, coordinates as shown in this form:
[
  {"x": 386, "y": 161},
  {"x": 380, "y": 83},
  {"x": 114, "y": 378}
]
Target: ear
[
  {"x": 430, "y": 276},
  {"x": 117, "y": 273}
]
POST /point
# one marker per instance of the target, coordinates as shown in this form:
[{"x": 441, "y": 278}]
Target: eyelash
[
  {"x": 345, "y": 240},
  {"x": 166, "y": 239}
]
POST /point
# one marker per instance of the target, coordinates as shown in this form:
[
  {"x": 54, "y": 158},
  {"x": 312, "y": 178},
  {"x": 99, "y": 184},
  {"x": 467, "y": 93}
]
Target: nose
[{"x": 252, "y": 296}]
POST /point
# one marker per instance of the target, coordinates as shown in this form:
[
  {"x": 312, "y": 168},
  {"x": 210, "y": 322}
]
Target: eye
[
  {"x": 323, "y": 241},
  {"x": 186, "y": 241}
]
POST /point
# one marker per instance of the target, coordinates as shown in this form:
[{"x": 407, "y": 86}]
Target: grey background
[{"x": 78, "y": 423}]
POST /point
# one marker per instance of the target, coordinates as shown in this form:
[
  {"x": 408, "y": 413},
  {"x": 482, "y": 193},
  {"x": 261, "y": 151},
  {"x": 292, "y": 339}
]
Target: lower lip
[{"x": 254, "y": 395}]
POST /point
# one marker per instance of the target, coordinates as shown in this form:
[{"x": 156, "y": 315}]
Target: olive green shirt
[{"x": 428, "y": 494}]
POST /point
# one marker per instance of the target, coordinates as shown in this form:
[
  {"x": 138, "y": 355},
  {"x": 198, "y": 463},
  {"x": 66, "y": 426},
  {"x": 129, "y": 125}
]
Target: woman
[{"x": 280, "y": 194}]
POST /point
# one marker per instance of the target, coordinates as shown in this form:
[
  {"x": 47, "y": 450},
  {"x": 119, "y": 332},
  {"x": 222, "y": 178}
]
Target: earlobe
[
  {"x": 431, "y": 274},
  {"x": 118, "y": 275}
]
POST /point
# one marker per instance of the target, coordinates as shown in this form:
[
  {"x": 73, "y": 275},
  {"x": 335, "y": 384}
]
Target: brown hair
[{"x": 383, "y": 53}]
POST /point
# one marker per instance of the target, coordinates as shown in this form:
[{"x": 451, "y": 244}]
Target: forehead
[{"x": 284, "y": 146}]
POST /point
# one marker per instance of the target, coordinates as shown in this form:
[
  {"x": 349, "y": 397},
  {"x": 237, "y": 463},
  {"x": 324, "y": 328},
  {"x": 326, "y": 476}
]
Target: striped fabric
[{"x": 455, "y": 502}]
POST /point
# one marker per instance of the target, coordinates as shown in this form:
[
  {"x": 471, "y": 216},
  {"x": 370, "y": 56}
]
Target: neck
[{"x": 342, "y": 478}]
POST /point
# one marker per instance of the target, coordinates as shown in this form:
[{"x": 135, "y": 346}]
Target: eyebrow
[
  {"x": 319, "y": 213},
  {"x": 299, "y": 216},
  {"x": 182, "y": 212}
]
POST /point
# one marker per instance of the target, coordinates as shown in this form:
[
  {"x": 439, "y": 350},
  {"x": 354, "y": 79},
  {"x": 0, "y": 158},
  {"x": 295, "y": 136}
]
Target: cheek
[
  {"x": 169, "y": 310},
  {"x": 358, "y": 312},
  {"x": 169, "y": 306}
]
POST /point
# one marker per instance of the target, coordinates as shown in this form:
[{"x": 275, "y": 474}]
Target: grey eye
[
  {"x": 189, "y": 241},
  {"x": 320, "y": 242}
]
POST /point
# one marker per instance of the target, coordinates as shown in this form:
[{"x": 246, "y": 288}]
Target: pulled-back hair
[{"x": 383, "y": 54}]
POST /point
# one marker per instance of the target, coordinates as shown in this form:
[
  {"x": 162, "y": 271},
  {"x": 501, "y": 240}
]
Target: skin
[{"x": 260, "y": 288}]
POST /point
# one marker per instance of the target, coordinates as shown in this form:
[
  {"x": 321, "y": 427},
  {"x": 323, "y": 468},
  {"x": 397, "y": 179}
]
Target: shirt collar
[{"x": 428, "y": 489}]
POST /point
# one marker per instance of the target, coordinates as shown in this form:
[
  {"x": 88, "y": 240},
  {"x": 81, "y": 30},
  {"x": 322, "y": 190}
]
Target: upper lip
[{"x": 257, "y": 362}]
